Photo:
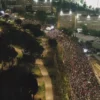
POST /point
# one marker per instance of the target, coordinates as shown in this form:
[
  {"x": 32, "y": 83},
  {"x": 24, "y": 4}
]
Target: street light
[
  {"x": 88, "y": 17},
  {"x": 78, "y": 16},
  {"x": 61, "y": 13},
  {"x": 70, "y": 12}
]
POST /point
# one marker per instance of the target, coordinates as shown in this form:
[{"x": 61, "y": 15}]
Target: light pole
[{"x": 76, "y": 17}]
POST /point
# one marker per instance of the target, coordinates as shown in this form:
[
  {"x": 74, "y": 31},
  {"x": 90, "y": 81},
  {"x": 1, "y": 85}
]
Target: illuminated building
[{"x": 42, "y": 5}]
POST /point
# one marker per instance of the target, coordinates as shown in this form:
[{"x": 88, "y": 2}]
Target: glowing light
[
  {"x": 99, "y": 16},
  {"x": 52, "y": 27},
  {"x": 85, "y": 50},
  {"x": 88, "y": 17},
  {"x": 50, "y": 1},
  {"x": 2, "y": 12},
  {"x": 78, "y": 16},
  {"x": 70, "y": 12},
  {"x": 22, "y": 18},
  {"x": 36, "y": 1},
  {"x": 45, "y": 1},
  {"x": 49, "y": 28},
  {"x": 61, "y": 13}
]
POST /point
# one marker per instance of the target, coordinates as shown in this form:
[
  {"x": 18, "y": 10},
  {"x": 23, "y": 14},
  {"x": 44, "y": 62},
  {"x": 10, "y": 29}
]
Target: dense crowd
[{"x": 82, "y": 78}]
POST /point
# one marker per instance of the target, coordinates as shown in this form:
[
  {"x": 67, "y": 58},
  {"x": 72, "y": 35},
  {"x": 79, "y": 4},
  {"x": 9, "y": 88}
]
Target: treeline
[
  {"x": 91, "y": 32},
  {"x": 23, "y": 36}
]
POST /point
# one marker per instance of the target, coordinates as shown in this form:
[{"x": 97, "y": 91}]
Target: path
[{"x": 46, "y": 78}]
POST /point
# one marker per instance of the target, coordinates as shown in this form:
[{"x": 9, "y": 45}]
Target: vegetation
[
  {"x": 17, "y": 42},
  {"x": 16, "y": 83},
  {"x": 35, "y": 29},
  {"x": 18, "y": 21},
  {"x": 41, "y": 16},
  {"x": 7, "y": 52},
  {"x": 74, "y": 7},
  {"x": 41, "y": 91},
  {"x": 52, "y": 43},
  {"x": 55, "y": 67},
  {"x": 67, "y": 31},
  {"x": 91, "y": 32}
]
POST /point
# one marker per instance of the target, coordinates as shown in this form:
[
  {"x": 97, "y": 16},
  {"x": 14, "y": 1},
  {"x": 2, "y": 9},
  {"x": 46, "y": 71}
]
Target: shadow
[{"x": 17, "y": 84}]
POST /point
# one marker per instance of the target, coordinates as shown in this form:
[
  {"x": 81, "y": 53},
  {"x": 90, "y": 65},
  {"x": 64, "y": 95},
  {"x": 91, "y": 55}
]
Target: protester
[{"x": 82, "y": 78}]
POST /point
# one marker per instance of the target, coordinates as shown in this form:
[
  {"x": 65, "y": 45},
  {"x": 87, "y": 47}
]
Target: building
[
  {"x": 72, "y": 20},
  {"x": 10, "y": 4},
  {"x": 42, "y": 5},
  {"x": 16, "y": 4}
]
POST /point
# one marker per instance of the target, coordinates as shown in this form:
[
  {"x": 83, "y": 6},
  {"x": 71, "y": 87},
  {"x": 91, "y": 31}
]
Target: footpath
[{"x": 46, "y": 78}]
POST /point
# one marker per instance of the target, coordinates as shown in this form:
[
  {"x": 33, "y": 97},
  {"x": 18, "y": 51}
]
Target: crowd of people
[{"x": 82, "y": 78}]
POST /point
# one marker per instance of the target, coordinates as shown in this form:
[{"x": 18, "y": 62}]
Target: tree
[
  {"x": 52, "y": 43},
  {"x": 85, "y": 29},
  {"x": 17, "y": 84},
  {"x": 68, "y": 31},
  {"x": 90, "y": 7},
  {"x": 84, "y": 5},
  {"x": 7, "y": 53},
  {"x": 41, "y": 16},
  {"x": 18, "y": 21},
  {"x": 35, "y": 29},
  {"x": 29, "y": 8},
  {"x": 6, "y": 17}
]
